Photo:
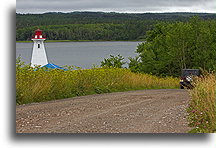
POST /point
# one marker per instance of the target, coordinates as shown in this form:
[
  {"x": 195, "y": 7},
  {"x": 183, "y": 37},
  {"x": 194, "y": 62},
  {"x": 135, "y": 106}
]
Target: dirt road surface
[{"x": 142, "y": 111}]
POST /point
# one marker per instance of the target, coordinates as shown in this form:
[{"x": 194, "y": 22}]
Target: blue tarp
[{"x": 53, "y": 66}]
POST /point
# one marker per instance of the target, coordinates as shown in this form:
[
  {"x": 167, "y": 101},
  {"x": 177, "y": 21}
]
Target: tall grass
[
  {"x": 36, "y": 85},
  {"x": 202, "y": 109}
]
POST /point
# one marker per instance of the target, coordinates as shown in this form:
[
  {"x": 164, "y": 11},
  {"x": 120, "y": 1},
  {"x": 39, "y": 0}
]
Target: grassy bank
[
  {"x": 202, "y": 109},
  {"x": 43, "y": 85}
]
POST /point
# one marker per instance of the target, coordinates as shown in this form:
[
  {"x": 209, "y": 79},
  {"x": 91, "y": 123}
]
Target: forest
[{"x": 96, "y": 25}]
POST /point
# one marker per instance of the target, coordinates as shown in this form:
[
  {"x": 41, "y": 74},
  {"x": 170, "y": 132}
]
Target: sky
[{"x": 122, "y": 6}]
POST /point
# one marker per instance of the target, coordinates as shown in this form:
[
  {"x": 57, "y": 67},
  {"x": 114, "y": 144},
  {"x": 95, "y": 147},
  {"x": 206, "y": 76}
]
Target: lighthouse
[{"x": 39, "y": 56}]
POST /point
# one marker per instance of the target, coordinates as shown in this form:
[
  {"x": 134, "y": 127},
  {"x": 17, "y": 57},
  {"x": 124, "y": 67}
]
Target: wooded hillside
[{"x": 95, "y": 25}]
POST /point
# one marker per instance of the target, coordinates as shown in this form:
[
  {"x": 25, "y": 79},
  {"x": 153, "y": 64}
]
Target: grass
[
  {"x": 202, "y": 109},
  {"x": 37, "y": 85}
]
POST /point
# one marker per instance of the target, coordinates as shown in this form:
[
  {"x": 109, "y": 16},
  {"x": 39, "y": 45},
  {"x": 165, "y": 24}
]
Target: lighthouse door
[{"x": 38, "y": 45}]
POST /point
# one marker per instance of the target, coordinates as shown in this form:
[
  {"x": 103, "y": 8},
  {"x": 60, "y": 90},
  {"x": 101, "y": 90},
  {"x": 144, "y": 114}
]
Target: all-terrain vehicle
[{"x": 187, "y": 78}]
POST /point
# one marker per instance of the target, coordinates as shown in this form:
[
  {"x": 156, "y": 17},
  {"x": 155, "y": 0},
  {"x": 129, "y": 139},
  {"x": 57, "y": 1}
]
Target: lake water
[{"x": 81, "y": 54}]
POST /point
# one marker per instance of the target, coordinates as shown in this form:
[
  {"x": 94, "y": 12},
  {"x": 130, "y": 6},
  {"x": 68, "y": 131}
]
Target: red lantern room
[{"x": 38, "y": 34}]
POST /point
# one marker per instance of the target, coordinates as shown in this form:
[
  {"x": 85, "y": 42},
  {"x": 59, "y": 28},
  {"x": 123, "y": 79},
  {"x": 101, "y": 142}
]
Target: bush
[{"x": 113, "y": 61}]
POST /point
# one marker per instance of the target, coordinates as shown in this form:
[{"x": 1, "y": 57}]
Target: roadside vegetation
[
  {"x": 38, "y": 84},
  {"x": 202, "y": 108}
]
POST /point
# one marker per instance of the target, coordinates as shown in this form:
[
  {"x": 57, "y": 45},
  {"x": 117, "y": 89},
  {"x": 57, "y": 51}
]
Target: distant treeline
[
  {"x": 95, "y": 25},
  {"x": 103, "y": 31}
]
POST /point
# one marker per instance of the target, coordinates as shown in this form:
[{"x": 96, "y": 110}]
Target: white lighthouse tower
[{"x": 39, "y": 56}]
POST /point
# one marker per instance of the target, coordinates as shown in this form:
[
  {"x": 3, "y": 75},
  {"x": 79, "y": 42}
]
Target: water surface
[{"x": 81, "y": 54}]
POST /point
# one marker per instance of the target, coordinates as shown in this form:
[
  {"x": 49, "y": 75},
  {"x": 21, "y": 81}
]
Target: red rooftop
[{"x": 38, "y": 35}]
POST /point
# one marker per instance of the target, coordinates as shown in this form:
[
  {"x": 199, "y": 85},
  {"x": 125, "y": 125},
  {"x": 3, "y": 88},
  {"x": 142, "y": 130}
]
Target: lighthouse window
[{"x": 38, "y": 45}]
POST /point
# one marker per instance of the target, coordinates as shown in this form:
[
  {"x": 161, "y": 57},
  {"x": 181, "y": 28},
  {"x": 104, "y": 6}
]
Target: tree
[
  {"x": 113, "y": 61},
  {"x": 170, "y": 47}
]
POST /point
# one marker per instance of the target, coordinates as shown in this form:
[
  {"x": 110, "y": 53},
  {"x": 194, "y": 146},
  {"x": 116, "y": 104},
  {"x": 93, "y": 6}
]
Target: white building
[{"x": 39, "y": 56}]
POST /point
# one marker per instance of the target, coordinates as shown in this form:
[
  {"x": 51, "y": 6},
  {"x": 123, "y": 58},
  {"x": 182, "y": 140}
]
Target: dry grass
[
  {"x": 202, "y": 105},
  {"x": 43, "y": 85}
]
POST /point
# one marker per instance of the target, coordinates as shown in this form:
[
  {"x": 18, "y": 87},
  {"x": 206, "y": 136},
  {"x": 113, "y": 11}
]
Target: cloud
[{"x": 41, "y": 6}]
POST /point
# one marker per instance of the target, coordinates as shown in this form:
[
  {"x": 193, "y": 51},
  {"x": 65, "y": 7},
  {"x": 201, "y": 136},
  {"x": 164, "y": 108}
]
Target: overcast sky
[{"x": 134, "y": 6}]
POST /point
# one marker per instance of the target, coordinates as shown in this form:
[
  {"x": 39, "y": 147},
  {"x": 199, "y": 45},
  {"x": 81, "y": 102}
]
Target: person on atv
[{"x": 187, "y": 78}]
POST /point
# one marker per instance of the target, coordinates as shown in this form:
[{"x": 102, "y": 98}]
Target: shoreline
[{"x": 84, "y": 41}]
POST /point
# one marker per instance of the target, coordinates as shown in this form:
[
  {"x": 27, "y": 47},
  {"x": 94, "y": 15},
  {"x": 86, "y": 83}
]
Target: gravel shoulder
[{"x": 142, "y": 111}]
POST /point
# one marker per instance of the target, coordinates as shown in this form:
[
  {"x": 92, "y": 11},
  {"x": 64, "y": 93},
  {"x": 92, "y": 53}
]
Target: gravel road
[{"x": 142, "y": 111}]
